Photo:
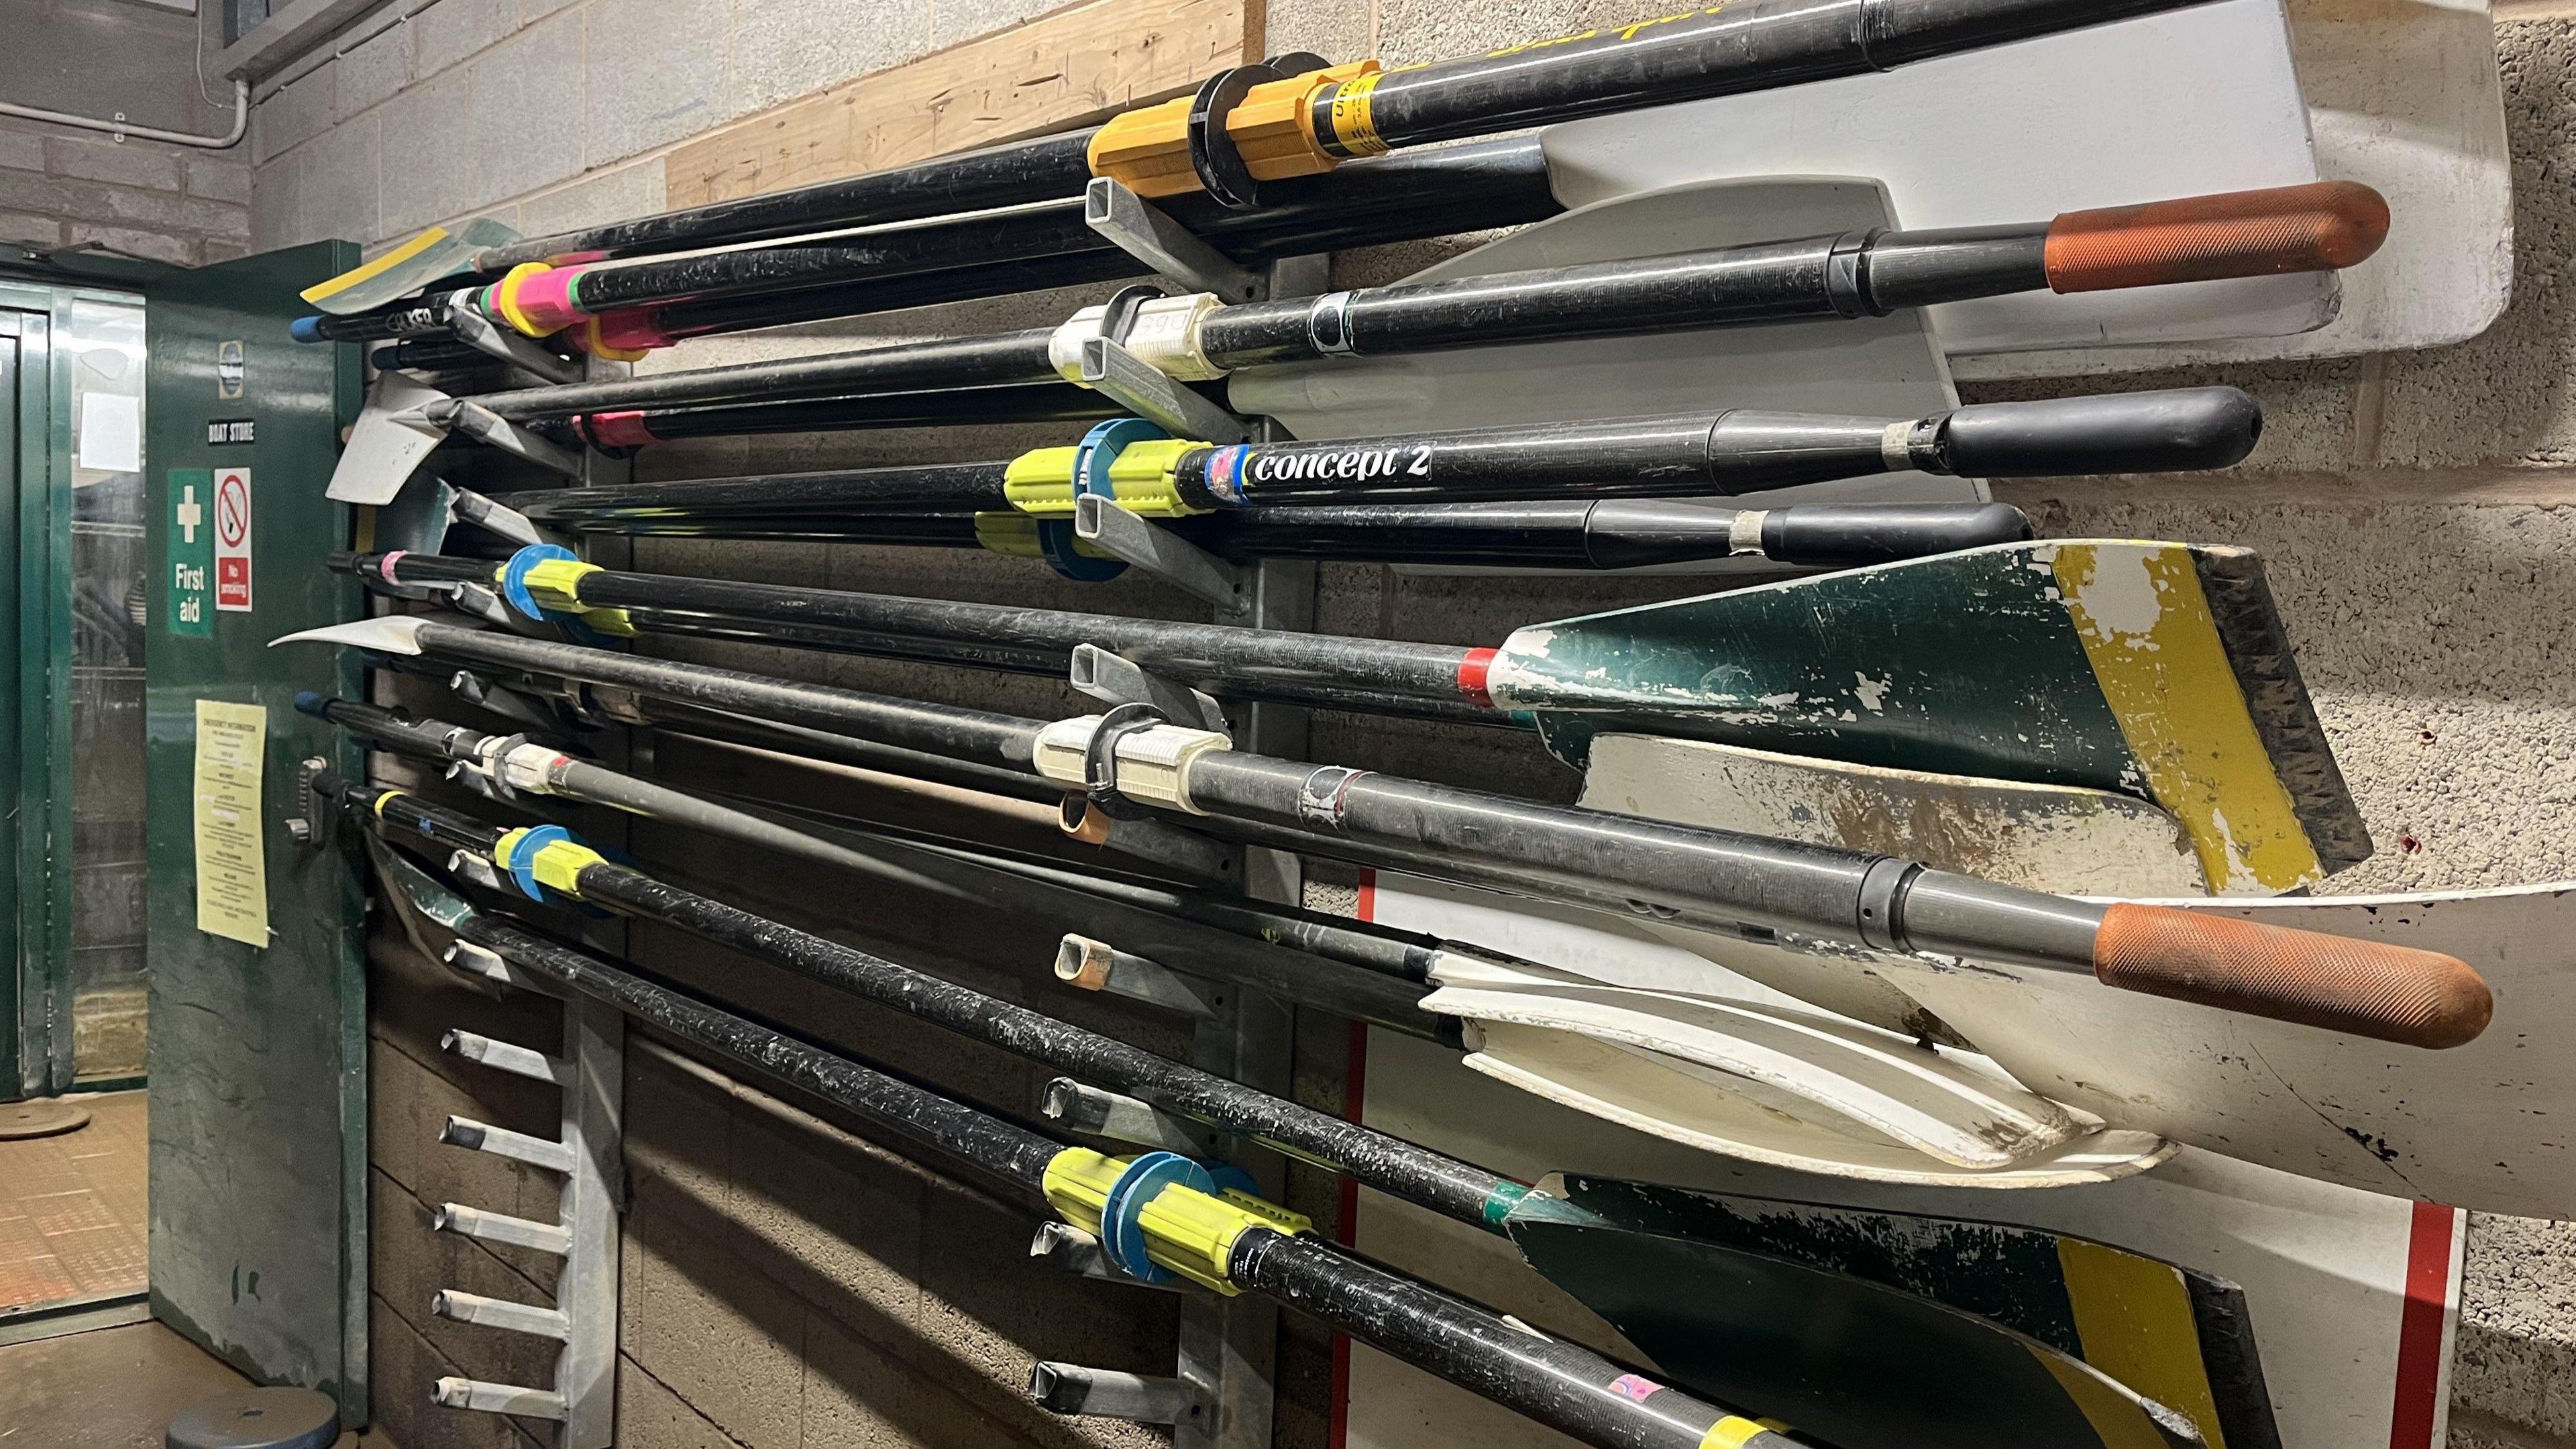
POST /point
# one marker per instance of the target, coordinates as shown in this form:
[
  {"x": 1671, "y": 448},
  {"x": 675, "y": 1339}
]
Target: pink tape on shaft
[
  {"x": 629, "y": 330},
  {"x": 545, "y": 299},
  {"x": 616, "y": 430}
]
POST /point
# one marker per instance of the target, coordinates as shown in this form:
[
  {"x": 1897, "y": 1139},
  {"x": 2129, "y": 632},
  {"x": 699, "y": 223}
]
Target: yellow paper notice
[{"x": 232, "y": 870}]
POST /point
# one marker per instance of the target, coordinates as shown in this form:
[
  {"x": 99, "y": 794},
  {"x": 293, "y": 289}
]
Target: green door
[
  {"x": 24, "y": 987},
  {"x": 257, "y": 1008}
]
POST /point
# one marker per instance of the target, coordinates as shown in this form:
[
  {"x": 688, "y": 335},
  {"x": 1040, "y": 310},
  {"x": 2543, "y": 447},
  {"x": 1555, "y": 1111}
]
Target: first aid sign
[{"x": 232, "y": 540}]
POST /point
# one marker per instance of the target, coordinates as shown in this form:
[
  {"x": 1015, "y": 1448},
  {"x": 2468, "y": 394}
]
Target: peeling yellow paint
[{"x": 2146, "y": 628}]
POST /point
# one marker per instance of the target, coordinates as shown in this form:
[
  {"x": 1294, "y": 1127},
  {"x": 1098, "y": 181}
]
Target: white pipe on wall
[{"x": 121, "y": 130}]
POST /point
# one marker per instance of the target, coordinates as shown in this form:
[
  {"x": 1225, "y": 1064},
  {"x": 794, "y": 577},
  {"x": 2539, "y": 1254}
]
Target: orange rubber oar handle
[
  {"x": 2364, "y": 988},
  {"x": 2314, "y": 228}
]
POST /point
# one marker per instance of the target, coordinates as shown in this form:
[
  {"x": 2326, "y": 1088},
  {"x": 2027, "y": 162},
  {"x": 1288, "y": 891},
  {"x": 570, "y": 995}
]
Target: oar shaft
[
  {"x": 1390, "y": 1164},
  {"x": 1275, "y": 659},
  {"x": 1273, "y": 956},
  {"x": 1856, "y": 274},
  {"x": 1557, "y": 1384},
  {"x": 2422, "y": 998},
  {"x": 1613, "y": 534},
  {"x": 1722, "y": 51}
]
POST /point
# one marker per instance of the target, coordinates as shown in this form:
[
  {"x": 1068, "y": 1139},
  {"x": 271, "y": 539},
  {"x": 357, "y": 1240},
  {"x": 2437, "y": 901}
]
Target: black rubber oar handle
[
  {"x": 2177, "y": 430},
  {"x": 1849, "y": 535}
]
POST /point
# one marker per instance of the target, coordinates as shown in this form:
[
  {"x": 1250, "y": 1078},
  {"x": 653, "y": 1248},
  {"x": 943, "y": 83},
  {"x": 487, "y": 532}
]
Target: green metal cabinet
[{"x": 258, "y": 1055}]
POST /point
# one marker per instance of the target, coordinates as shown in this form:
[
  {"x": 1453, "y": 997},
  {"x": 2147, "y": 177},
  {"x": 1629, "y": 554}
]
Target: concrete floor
[{"x": 114, "y": 1388}]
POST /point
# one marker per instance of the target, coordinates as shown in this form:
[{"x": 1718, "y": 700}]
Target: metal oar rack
[{"x": 1220, "y": 1394}]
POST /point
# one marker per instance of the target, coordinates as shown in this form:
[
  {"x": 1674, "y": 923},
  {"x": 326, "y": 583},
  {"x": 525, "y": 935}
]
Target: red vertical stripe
[
  {"x": 1354, "y": 1096},
  {"x": 2419, "y": 1327}
]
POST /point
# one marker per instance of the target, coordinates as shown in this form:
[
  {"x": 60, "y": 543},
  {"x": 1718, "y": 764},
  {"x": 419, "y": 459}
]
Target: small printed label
[
  {"x": 188, "y": 553},
  {"x": 230, "y": 370},
  {"x": 1337, "y": 465},
  {"x": 232, "y": 540},
  {"x": 228, "y": 432},
  {"x": 1632, "y": 1386}
]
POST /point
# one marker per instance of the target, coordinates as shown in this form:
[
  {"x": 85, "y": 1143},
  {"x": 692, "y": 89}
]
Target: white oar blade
[
  {"x": 385, "y": 634},
  {"x": 389, "y": 442},
  {"x": 1839, "y": 1076},
  {"x": 1605, "y": 1081}
]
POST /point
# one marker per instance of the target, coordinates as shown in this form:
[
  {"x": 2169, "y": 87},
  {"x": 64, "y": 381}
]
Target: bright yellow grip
[
  {"x": 1192, "y": 1233},
  {"x": 556, "y": 583},
  {"x": 559, "y": 866}
]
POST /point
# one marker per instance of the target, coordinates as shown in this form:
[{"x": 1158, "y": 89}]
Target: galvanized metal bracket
[
  {"x": 1110, "y": 527},
  {"x": 1066, "y": 1388},
  {"x": 591, "y": 1073},
  {"x": 476, "y": 331},
  {"x": 1141, "y": 388},
  {"x": 1098, "y": 966},
  {"x": 1078, "y": 1108},
  {"x": 486, "y": 426},
  {"x": 1080, "y": 1254},
  {"x": 1146, "y": 232},
  {"x": 1113, "y": 678}
]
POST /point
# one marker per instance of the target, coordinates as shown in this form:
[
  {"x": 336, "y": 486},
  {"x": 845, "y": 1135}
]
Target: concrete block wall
[
  {"x": 62, "y": 186},
  {"x": 2414, "y": 510},
  {"x": 553, "y": 114}
]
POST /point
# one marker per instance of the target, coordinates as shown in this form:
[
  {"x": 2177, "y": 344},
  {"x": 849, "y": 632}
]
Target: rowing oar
[
  {"x": 1738, "y": 450},
  {"x": 2156, "y": 670},
  {"x": 1198, "y": 337},
  {"x": 1160, "y": 1216},
  {"x": 1171, "y": 1219},
  {"x": 1615, "y": 534},
  {"x": 1252, "y": 124},
  {"x": 2364, "y": 988},
  {"x": 1927, "y": 1104},
  {"x": 614, "y": 308}
]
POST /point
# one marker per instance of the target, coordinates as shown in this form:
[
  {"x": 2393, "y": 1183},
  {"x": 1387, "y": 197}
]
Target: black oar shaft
[
  {"x": 1363, "y": 670},
  {"x": 1012, "y": 1153},
  {"x": 1416, "y": 1174},
  {"x": 1560, "y": 1385},
  {"x": 2391, "y": 993},
  {"x": 1657, "y": 61},
  {"x": 1390, "y": 199},
  {"x": 1722, "y": 50}
]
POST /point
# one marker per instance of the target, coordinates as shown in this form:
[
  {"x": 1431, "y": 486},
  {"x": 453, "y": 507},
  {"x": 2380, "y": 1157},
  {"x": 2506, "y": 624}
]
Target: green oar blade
[
  {"x": 1841, "y": 1359},
  {"x": 2173, "y": 1334},
  {"x": 406, "y": 269},
  {"x": 2158, "y": 670}
]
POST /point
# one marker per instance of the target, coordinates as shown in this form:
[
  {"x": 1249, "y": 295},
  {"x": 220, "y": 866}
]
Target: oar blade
[
  {"x": 417, "y": 263},
  {"x": 1839, "y": 1358},
  {"x": 2156, "y": 670},
  {"x": 2173, "y": 1334},
  {"x": 391, "y": 439}
]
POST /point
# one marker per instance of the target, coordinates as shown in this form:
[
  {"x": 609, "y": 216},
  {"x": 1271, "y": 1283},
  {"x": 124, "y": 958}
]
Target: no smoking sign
[{"x": 232, "y": 540}]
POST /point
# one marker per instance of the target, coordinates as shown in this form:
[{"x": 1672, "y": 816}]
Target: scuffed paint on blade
[
  {"x": 2146, "y": 626},
  {"x": 2093, "y": 664}
]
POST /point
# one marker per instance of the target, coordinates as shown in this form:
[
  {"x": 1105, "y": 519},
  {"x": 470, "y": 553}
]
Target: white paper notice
[
  {"x": 111, "y": 432},
  {"x": 232, "y": 866}
]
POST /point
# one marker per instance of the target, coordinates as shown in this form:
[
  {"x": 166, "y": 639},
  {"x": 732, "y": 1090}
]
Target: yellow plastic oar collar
[{"x": 1160, "y": 1214}]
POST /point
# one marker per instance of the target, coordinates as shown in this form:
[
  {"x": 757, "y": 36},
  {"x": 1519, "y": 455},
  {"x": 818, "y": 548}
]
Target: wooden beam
[{"x": 1062, "y": 69}]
